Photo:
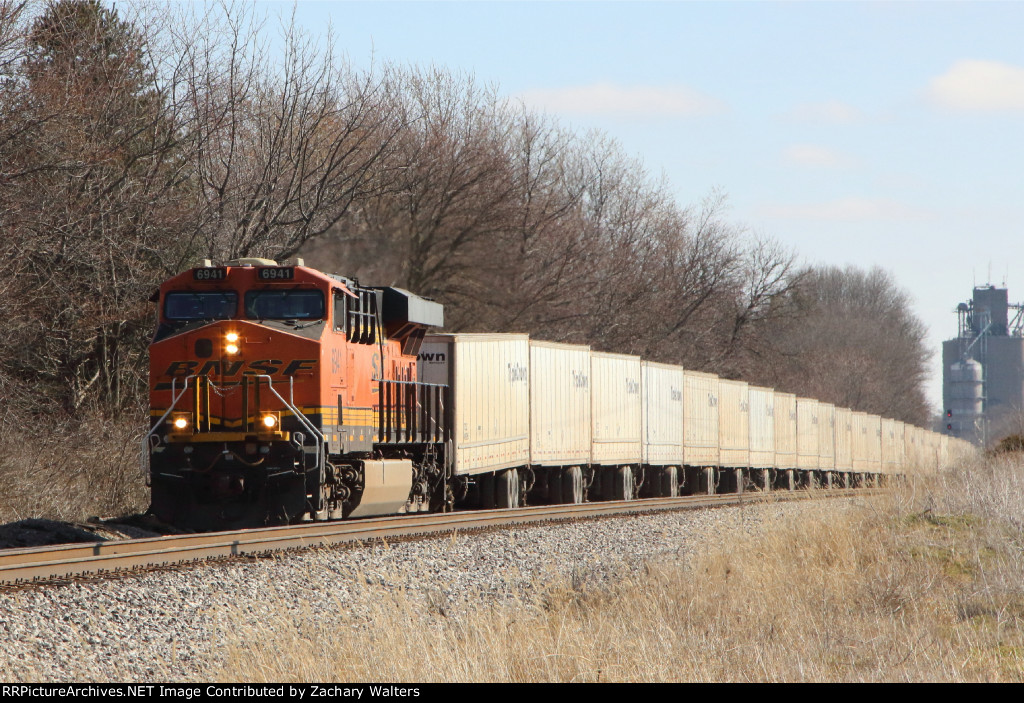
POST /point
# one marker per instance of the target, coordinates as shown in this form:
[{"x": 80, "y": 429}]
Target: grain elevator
[{"x": 983, "y": 369}]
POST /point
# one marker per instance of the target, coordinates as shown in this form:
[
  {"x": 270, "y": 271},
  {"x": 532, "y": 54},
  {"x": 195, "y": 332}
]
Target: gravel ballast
[{"x": 172, "y": 625}]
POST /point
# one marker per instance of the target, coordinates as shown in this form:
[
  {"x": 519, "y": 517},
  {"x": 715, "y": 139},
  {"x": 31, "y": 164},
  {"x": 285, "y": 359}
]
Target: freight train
[{"x": 280, "y": 394}]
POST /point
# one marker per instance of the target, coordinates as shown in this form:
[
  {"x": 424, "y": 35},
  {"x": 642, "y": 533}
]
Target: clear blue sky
[{"x": 855, "y": 132}]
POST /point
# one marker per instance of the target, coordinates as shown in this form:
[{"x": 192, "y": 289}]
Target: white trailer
[
  {"x": 874, "y": 444},
  {"x": 844, "y": 439},
  {"x": 616, "y": 419},
  {"x": 806, "y": 434},
  {"x": 560, "y": 404},
  {"x": 889, "y": 456},
  {"x": 785, "y": 431},
  {"x": 861, "y": 442},
  {"x": 662, "y": 414},
  {"x": 700, "y": 419},
  {"x": 734, "y": 424},
  {"x": 826, "y": 436},
  {"x": 762, "y": 428},
  {"x": 489, "y": 380}
]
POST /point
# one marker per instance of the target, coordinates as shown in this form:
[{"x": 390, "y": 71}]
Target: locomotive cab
[{"x": 279, "y": 393}]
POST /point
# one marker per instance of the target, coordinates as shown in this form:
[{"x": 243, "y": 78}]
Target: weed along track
[{"x": 19, "y": 567}]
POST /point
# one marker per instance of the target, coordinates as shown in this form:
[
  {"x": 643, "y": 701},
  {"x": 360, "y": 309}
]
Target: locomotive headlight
[
  {"x": 181, "y": 422},
  {"x": 269, "y": 421},
  {"x": 231, "y": 336},
  {"x": 231, "y": 348}
]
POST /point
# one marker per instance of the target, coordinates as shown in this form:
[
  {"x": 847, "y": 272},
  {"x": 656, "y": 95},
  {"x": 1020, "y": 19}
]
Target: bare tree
[
  {"x": 530, "y": 275},
  {"x": 766, "y": 276},
  {"x": 852, "y": 340},
  {"x": 87, "y": 177},
  {"x": 281, "y": 146},
  {"x": 447, "y": 195}
]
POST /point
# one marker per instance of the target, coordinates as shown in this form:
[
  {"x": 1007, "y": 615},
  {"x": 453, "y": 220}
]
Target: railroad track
[{"x": 114, "y": 558}]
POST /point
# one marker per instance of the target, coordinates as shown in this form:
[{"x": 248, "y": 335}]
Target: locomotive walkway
[{"x": 116, "y": 558}]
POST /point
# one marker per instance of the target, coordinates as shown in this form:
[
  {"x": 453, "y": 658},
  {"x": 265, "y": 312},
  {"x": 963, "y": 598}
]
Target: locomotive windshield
[
  {"x": 203, "y": 305},
  {"x": 284, "y": 305}
]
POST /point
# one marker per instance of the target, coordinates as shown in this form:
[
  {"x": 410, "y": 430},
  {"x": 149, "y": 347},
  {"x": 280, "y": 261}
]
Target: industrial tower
[{"x": 983, "y": 369}]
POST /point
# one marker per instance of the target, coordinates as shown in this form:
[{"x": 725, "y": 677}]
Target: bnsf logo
[{"x": 233, "y": 368}]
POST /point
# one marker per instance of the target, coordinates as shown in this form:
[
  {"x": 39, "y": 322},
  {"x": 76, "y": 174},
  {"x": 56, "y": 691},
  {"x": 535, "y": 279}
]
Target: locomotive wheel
[
  {"x": 670, "y": 482},
  {"x": 556, "y": 481},
  {"x": 486, "y": 486},
  {"x": 622, "y": 484},
  {"x": 572, "y": 485},
  {"x": 507, "y": 490}
]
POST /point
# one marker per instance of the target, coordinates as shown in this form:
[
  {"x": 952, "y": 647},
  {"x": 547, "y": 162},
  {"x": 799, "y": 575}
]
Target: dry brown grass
[
  {"x": 71, "y": 470},
  {"x": 924, "y": 585}
]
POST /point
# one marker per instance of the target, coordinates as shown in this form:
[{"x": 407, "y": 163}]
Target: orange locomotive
[{"x": 279, "y": 393}]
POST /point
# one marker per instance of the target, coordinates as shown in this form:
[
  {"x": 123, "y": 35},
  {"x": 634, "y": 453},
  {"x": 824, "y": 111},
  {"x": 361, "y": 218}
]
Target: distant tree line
[{"x": 132, "y": 145}]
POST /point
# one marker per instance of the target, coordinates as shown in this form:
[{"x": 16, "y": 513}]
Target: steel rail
[{"x": 60, "y": 562}]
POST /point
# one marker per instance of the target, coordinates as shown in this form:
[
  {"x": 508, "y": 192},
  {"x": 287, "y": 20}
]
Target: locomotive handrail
[
  {"x": 144, "y": 459},
  {"x": 305, "y": 421},
  {"x": 176, "y": 396}
]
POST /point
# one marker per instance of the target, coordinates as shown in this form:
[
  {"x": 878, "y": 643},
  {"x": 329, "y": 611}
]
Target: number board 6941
[
  {"x": 276, "y": 274},
  {"x": 209, "y": 274}
]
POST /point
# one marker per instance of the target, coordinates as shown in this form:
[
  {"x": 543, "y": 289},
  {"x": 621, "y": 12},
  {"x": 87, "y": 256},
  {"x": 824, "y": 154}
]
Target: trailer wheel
[
  {"x": 572, "y": 485},
  {"x": 507, "y": 493},
  {"x": 670, "y": 482},
  {"x": 623, "y": 484}
]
